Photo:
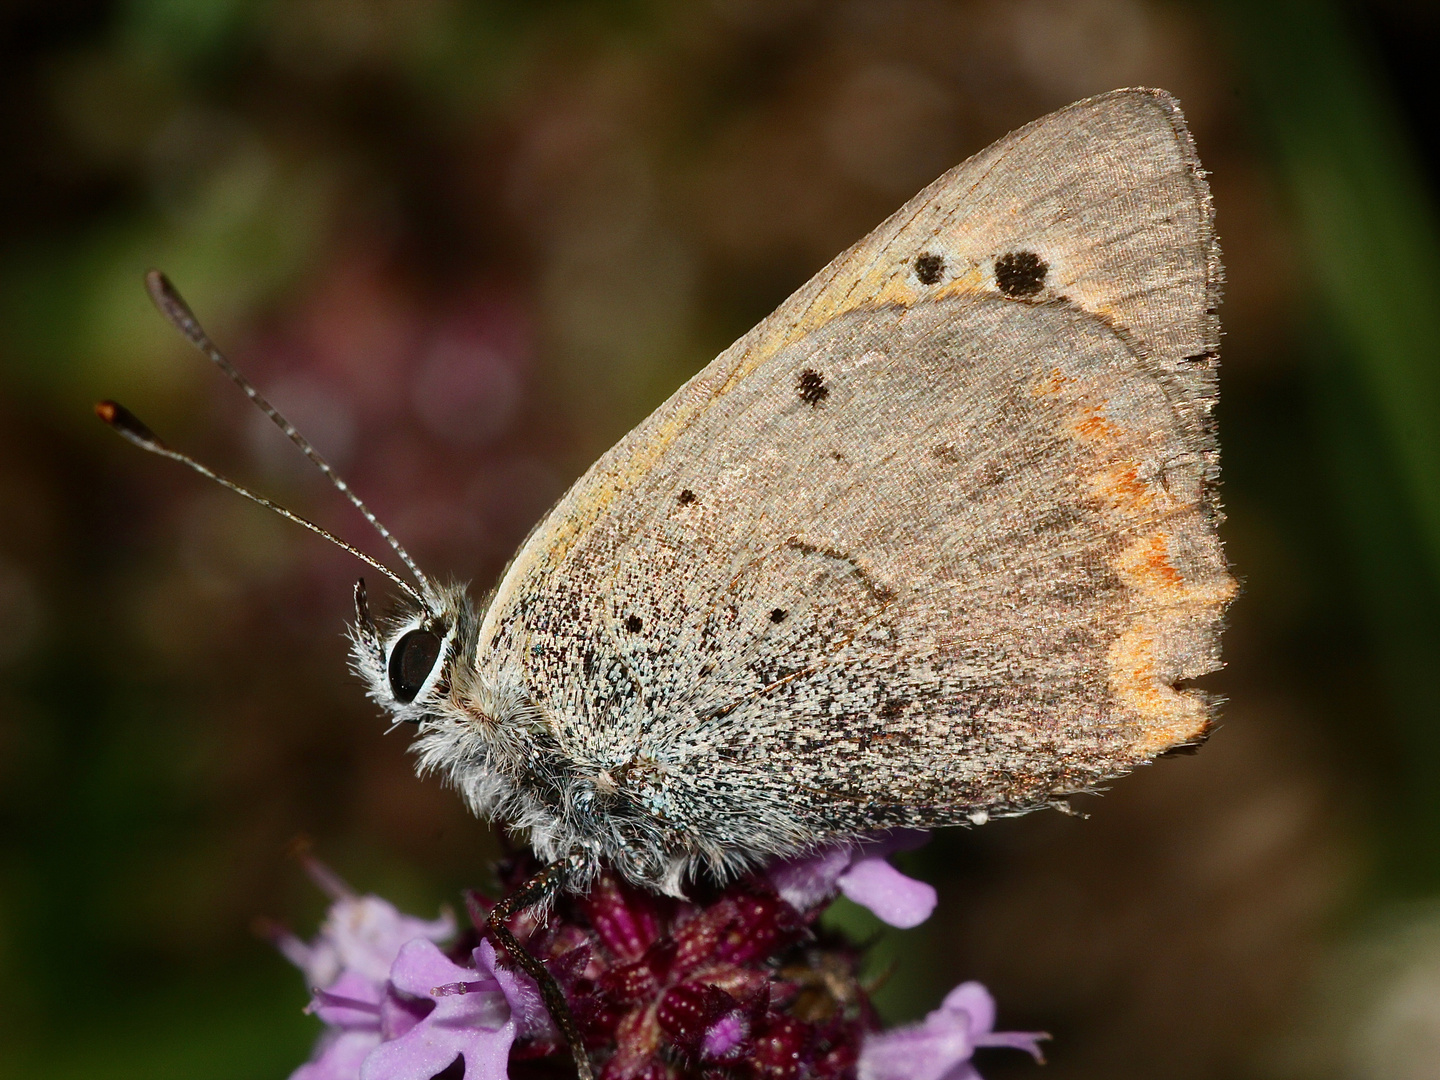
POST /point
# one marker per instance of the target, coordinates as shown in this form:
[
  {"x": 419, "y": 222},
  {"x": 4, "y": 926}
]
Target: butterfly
[{"x": 934, "y": 542}]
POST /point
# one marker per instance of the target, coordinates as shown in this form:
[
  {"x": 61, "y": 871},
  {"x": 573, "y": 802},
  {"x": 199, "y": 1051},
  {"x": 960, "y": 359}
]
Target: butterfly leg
[{"x": 537, "y": 890}]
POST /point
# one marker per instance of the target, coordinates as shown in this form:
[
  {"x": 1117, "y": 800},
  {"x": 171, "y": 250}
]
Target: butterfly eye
[{"x": 411, "y": 661}]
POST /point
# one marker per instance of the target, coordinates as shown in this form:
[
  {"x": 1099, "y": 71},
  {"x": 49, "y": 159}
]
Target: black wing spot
[
  {"x": 812, "y": 388},
  {"x": 929, "y": 267},
  {"x": 1020, "y": 273},
  {"x": 633, "y": 624},
  {"x": 778, "y": 615},
  {"x": 686, "y": 497},
  {"x": 949, "y": 453}
]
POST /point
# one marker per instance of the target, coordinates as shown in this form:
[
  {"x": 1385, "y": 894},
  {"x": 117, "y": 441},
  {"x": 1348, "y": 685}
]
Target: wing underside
[{"x": 937, "y": 536}]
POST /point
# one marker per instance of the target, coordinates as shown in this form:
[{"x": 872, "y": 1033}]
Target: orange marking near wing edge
[
  {"x": 1169, "y": 716},
  {"x": 1123, "y": 490},
  {"x": 1095, "y": 428},
  {"x": 1146, "y": 656},
  {"x": 1118, "y": 483},
  {"x": 1146, "y": 565}
]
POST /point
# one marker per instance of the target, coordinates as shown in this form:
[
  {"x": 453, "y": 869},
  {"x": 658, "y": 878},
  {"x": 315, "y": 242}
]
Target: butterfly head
[
  {"x": 407, "y": 660},
  {"x": 477, "y": 724}
]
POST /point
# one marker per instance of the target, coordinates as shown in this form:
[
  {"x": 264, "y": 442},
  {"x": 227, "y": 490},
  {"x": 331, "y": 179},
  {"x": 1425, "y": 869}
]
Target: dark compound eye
[{"x": 411, "y": 662}]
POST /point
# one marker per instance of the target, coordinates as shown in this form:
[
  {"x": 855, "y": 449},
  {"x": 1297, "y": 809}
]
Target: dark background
[{"x": 466, "y": 245}]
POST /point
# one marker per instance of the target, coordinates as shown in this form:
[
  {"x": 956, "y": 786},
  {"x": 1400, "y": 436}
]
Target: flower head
[
  {"x": 740, "y": 983},
  {"x": 349, "y": 968},
  {"x": 736, "y": 983}
]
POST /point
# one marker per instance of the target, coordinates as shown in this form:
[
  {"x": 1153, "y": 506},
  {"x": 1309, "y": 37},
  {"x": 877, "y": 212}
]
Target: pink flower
[
  {"x": 940, "y": 1046},
  {"x": 474, "y": 1015},
  {"x": 858, "y": 870},
  {"x": 348, "y": 968},
  {"x": 338, "y": 1055},
  {"x": 735, "y": 984},
  {"x": 361, "y": 934}
]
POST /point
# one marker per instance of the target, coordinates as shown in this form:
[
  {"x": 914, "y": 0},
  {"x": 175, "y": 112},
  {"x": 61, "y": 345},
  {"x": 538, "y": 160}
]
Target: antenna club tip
[
  {"x": 126, "y": 423},
  {"x": 170, "y": 303},
  {"x": 158, "y": 286}
]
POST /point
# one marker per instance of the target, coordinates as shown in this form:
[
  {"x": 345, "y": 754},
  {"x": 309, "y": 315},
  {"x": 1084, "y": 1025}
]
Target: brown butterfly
[{"x": 936, "y": 541}]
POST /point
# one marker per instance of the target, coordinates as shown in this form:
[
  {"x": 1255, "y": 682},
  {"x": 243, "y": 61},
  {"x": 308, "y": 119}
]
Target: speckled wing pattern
[{"x": 937, "y": 538}]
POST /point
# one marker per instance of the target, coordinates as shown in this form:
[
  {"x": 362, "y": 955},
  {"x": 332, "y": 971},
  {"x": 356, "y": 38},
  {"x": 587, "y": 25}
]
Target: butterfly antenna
[
  {"x": 177, "y": 312},
  {"x": 128, "y": 425}
]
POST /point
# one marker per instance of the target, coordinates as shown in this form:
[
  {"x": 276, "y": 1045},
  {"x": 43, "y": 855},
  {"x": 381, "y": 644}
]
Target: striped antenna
[
  {"x": 177, "y": 312},
  {"x": 127, "y": 424}
]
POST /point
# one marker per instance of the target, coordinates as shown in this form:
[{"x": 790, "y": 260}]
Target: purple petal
[
  {"x": 972, "y": 1001},
  {"x": 976, "y": 1004},
  {"x": 421, "y": 967},
  {"x": 349, "y": 1002},
  {"x": 805, "y": 882},
  {"x": 478, "y": 1026},
  {"x": 724, "y": 1036},
  {"x": 527, "y": 1006},
  {"x": 940, "y": 1047},
  {"x": 292, "y": 948},
  {"x": 320, "y": 962},
  {"x": 914, "y": 1053},
  {"x": 338, "y": 1055},
  {"x": 366, "y": 934},
  {"x": 894, "y": 898},
  {"x": 401, "y": 1012}
]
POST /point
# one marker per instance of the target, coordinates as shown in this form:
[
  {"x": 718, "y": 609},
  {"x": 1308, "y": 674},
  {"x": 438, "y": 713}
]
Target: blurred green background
[{"x": 466, "y": 245}]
